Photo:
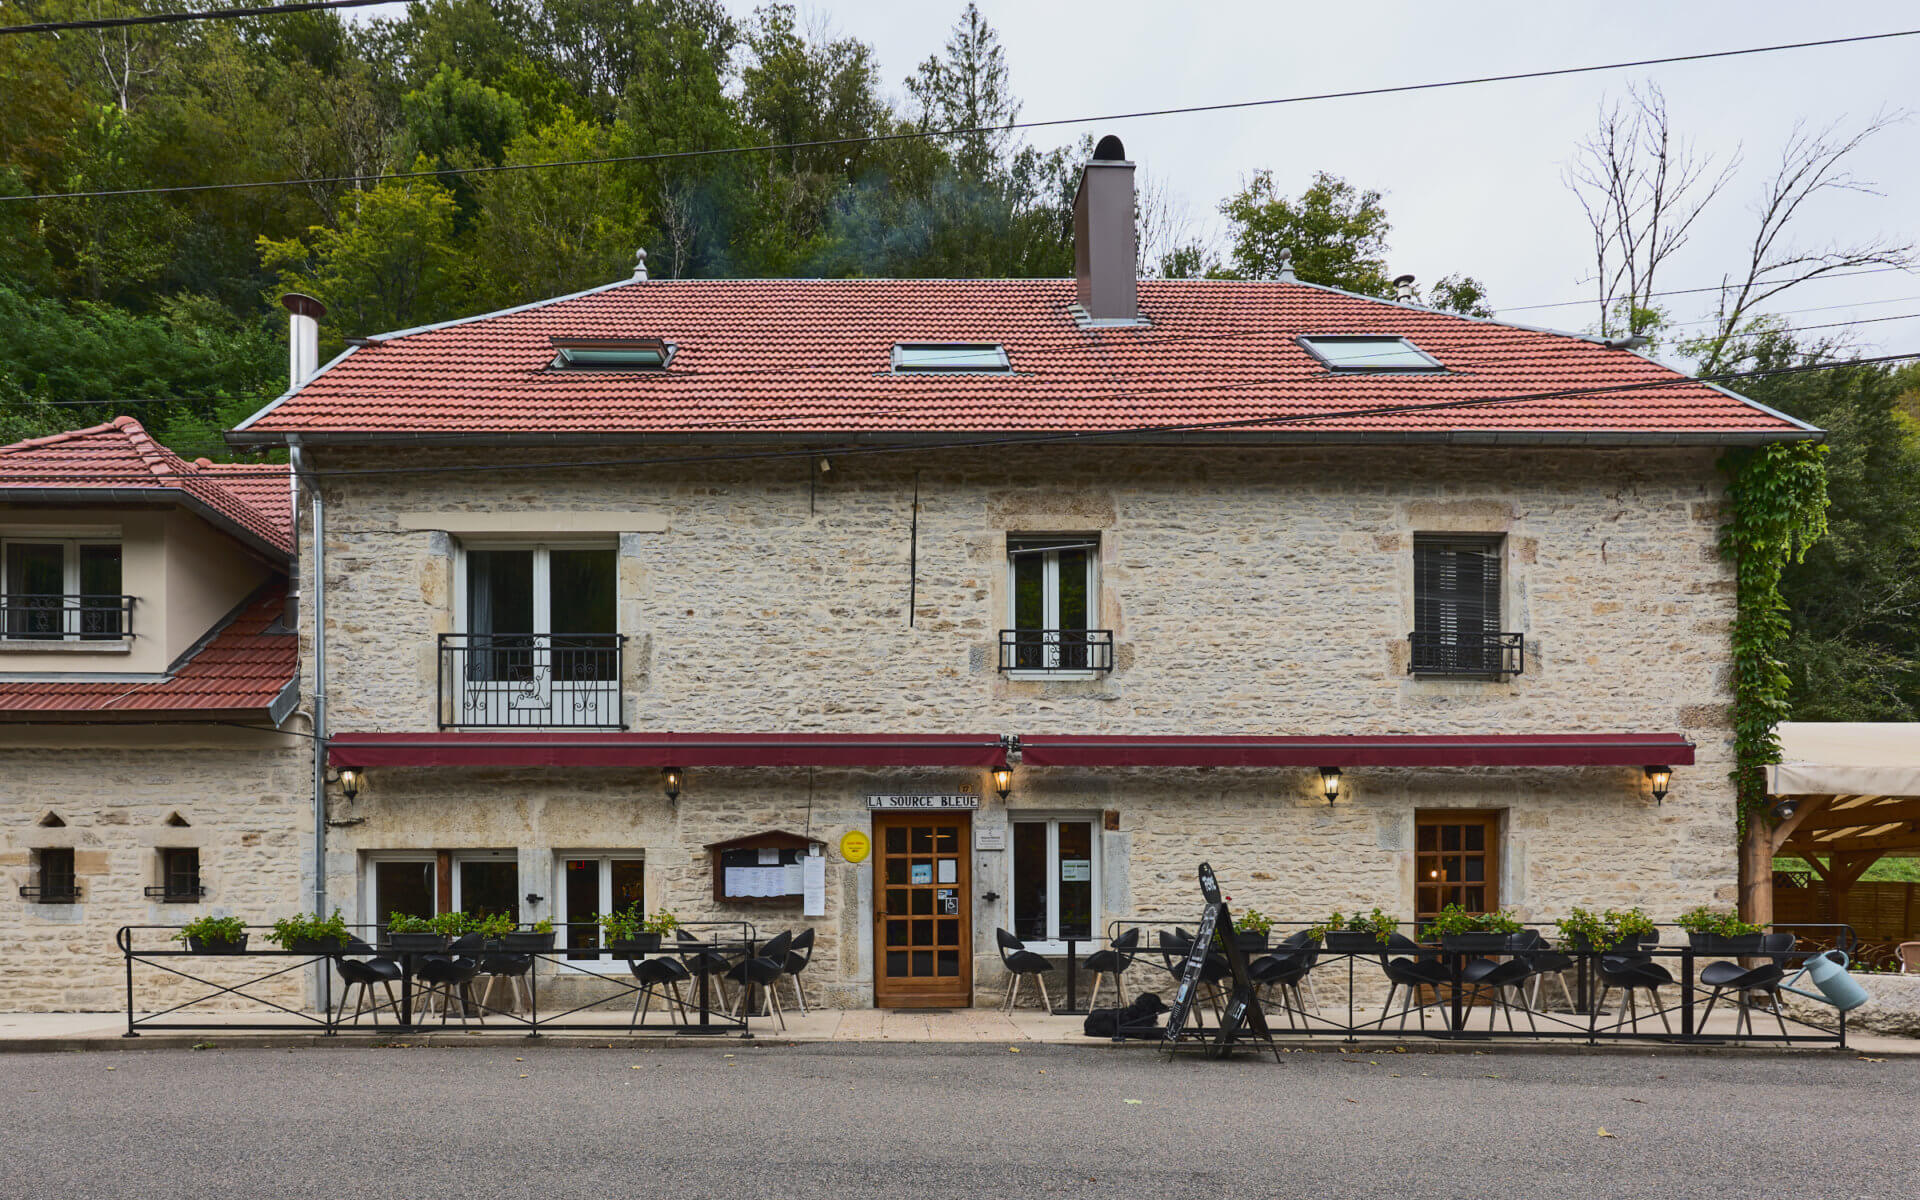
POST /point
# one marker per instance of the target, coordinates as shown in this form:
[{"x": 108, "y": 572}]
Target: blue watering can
[{"x": 1829, "y": 973}]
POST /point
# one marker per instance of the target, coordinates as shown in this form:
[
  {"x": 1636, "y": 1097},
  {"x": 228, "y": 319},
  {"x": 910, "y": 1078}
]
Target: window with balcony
[
  {"x": 62, "y": 589},
  {"x": 179, "y": 876},
  {"x": 1053, "y": 595},
  {"x": 54, "y": 881},
  {"x": 538, "y": 644},
  {"x": 1457, "y": 611}
]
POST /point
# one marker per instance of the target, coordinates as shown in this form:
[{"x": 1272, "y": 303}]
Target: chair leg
[
  {"x": 1653, "y": 997},
  {"x": 1093, "y": 997},
  {"x": 1388, "y": 1006},
  {"x": 1044, "y": 998}
]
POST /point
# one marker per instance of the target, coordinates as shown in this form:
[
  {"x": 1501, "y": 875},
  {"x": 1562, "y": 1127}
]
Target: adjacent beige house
[{"x": 1045, "y": 590}]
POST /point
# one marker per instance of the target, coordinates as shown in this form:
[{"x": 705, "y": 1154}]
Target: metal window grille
[{"x": 1456, "y": 609}]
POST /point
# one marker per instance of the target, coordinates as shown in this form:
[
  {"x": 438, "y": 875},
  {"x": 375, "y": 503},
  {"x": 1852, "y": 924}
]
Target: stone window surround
[{"x": 1469, "y": 518}]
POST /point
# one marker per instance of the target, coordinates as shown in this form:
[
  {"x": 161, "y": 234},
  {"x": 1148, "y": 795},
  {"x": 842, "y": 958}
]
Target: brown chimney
[{"x": 1103, "y": 238}]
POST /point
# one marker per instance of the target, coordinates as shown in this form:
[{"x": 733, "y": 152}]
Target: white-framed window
[
  {"x": 55, "y": 589},
  {"x": 537, "y": 641},
  {"x": 1054, "y": 884},
  {"x": 588, "y": 884},
  {"x": 487, "y": 882},
  {"x": 1053, "y": 604},
  {"x": 403, "y": 881}
]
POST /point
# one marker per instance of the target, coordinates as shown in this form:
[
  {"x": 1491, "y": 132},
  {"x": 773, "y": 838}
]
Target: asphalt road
[{"x": 846, "y": 1121}]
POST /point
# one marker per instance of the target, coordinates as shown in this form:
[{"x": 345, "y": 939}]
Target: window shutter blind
[{"x": 1456, "y": 601}]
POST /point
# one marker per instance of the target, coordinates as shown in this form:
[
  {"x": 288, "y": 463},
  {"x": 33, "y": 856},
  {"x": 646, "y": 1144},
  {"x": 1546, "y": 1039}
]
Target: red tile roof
[
  {"x": 813, "y": 356},
  {"x": 252, "y": 498},
  {"x": 243, "y": 668}
]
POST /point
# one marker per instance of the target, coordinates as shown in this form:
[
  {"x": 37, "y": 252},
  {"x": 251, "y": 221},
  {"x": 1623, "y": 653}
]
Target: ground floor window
[
  {"x": 406, "y": 884},
  {"x": 180, "y": 874},
  {"x": 487, "y": 883},
  {"x": 1456, "y": 860},
  {"x": 54, "y": 878},
  {"x": 1055, "y": 879},
  {"x": 591, "y": 885}
]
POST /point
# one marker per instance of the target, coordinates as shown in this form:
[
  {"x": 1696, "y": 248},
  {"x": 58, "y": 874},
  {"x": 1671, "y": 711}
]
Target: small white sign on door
[{"x": 1076, "y": 870}]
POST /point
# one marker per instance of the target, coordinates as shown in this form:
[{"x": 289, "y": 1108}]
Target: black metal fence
[
  {"x": 50, "y": 617},
  {"x": 1499, "y": 988},
  {"x": 403, "y": 976},
  {"x": 1056, "y": 649},
  {"x": 1466, "y": 654},
  {"x": 528, "y": 680}
]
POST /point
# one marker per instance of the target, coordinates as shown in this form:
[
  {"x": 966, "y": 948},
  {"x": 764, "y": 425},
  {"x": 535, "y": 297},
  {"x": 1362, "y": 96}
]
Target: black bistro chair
[
  {"x": 799, "y": 954},
  {"x": 1175, "y": 947},
  {"x": 365, "y": 972},
  {"x": 1114, "y": 961},
  {"x": 1021, "y": 962},
  {"x": 1416, "y": 968},
  {"x": 1632, "y": 970},
  {"x": 764, "y": 972},
  {"x": 1745, "y": 982},
  {"x": 1491, "y": 979},
  {"x": 444, "y": 974},
  {"x": 660, "y": 975},
  {"x": 709, "y": 963},
  {"x": 1285, "y": 968}
]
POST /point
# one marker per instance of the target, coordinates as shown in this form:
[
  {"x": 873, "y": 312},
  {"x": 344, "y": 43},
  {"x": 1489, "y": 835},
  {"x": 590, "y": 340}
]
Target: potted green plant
[
  {"x": 413, "y": 934},
  {"x": 1251, "y": 929},
  {"x": 214, "y": 935},
  {"x": 1720, "y": 931},
  {"x": 1583, "y": 931},
  {"x": 1463, "y": 932},
  {"x": 1361, "y": 933},
  {"x": 622, "y": 930},
  {"x": 453, "y": 924},
  {"x": 1631, "y": 927},
  {"x": 535, "y": 939},
  {"x": 493, "y": 928},
  {"x": 310, "y": 933}
]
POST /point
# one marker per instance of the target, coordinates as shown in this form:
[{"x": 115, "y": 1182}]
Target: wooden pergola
[{"x": 1845, "y": 796}]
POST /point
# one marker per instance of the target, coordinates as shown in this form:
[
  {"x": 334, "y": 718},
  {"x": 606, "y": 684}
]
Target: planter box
[
  {"x": 1348, "y": 942},
  {"x": 1253, "y": 943},
  {"x": 527, "y": 943},
  {"x": 416, "y": 943},
  {"x": 316, "y": 946},
  {"x": 201, "y": 946},
  {"x": 1475, "y": 943},
  {"x": 643, "y": 943},
  {"x": 1713, "y": 943}
]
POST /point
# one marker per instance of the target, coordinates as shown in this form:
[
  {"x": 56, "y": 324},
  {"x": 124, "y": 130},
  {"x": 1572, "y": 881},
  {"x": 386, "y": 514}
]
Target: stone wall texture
[
  {"x": 1250, "y": 591},
  {"x": 246, "y": 804}
]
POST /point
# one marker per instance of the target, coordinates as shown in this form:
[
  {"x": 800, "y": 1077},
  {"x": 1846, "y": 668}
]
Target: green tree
[
  {"x": 391, "y": 264},
  {"x": 1334, "y": 234},
  {"x": 969, "y": 88},
  {"x": 1461, "y": 294}
]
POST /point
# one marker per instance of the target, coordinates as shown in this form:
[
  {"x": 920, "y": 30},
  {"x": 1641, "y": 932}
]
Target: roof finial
[
  {"x": 1286, "y": 267},
  {"x": 640, "y": 263}
]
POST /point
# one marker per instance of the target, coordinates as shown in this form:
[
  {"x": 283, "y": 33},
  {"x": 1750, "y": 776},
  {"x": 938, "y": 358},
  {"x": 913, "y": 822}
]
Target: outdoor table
[{"x": 1072, "y": 1009}]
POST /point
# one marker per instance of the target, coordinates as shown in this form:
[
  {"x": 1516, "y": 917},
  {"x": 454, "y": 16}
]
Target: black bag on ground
[{"x": 1138, "y": 1019}]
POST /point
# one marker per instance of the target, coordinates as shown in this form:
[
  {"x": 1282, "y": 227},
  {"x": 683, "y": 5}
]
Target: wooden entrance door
[
  {"x": 1456, "y": 860},
  {"x": 922, "y": 910}
]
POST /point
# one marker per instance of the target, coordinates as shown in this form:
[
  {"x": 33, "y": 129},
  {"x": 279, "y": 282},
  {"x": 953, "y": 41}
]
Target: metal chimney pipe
[
  {"x": 303, "y": 338},
  {"x": 1403, "y": 289}
]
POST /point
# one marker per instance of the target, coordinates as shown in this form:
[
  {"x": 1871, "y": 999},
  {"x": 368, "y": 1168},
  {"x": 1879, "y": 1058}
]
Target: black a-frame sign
[{"x": 1243, "y": 1019}]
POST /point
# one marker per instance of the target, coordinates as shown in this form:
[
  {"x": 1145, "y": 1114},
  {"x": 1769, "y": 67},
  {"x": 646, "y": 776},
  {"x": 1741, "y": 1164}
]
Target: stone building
[
  {"x": 146, "y": 675},
  {"x": 1008, "y": 602}
]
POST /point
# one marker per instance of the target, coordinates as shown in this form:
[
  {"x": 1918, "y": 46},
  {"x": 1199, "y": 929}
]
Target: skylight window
[
  {"x": 910, "y": 357},
  {"x": 610, "y": 354},
  {"x": 1364, "y": 353}
]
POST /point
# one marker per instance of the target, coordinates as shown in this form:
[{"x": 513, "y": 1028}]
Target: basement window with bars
[
  {"x": 179, "y": 876},
  {"x": 1457, "y": 611},
  {"x": 54, "y": 880}
]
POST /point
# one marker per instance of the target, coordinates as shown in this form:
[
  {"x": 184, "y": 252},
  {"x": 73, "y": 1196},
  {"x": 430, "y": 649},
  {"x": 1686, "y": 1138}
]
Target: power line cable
[
  {"x": 208, "y": 14},
  {"x": 969, "y": 442},
  {"x": 965, "y": 131},
  {"x": 1694, "y": 291}
]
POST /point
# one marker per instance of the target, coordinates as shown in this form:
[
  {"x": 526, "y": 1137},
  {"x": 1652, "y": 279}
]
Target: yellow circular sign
[{"x": 855, "y": 846}]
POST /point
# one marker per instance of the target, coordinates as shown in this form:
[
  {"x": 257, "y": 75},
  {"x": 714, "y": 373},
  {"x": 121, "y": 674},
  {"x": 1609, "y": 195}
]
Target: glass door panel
[
  {"x": 489, "y": 887},
  {"x": 402, "y": 887},
  {"x": 582, "y": 883},
  {"x": 36, "y": 579},
  {"x": 100, "y": 613}
]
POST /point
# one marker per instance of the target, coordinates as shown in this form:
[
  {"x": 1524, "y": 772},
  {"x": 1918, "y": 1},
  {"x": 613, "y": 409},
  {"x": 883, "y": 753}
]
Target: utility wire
[
  {"x": 210, "y": 14},
  {"x": 999, "y": 440},
  {"x": 1694, "y": 291},
  {"x": 965, "y": 131}
]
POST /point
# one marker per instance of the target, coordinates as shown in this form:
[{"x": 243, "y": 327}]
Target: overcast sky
[{"x": 1473, "y": 175}]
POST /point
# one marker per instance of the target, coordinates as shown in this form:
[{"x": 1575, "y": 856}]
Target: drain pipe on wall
[{"x": 316, "y": 579}]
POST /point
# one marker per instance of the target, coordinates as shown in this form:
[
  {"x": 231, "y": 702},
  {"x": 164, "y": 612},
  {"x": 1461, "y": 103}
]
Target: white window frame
[
  {"x": 542, "y": 549},
  {"x": 69, "y": 583},
  {"x": 1050, "y": 594},
  {"x": 605, "y": 858},
  {"x": 370, "y": 888},
  {"x": 1053, "y": 943}
]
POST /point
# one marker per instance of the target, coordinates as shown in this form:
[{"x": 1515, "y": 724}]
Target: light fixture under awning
[{"x": 1384, "y": 750}]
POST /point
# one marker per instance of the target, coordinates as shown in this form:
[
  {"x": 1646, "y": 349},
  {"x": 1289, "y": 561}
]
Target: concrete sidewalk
[{"x": 42, "y": 1032}]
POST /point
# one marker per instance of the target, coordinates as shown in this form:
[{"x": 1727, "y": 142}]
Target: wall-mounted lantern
[
  {"x": 670, "y": 783},
  {"x": 1658, "y": 778},
  {"x": 1330, "y": 783},
  {"x": 1002, "y": 781},
  {"x": 350, "y": 782}
]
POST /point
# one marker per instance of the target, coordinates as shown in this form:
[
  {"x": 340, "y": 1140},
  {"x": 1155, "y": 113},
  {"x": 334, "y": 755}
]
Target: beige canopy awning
[{"x": 1856, "y": 788}]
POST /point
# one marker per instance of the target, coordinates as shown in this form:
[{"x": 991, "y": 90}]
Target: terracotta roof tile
[
  {"x": 122, "y": 455},
  {"x": 244, "y": 667},
  {"x": 812, "y": 355}
]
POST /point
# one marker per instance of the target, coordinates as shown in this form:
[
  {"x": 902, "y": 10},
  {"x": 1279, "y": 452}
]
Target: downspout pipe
[{"x": 316, "y": 579}]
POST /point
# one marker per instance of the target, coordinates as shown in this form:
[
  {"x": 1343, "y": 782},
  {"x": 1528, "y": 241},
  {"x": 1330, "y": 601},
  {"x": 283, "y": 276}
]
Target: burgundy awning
[
  {"x": 1381, "y": 750},
  {"x": 531, "y": 749}
]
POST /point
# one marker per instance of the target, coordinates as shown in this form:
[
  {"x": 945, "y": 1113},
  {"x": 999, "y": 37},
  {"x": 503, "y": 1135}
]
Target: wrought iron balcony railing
[
  {"x": 1482, "y": 654},
  {"x": 52, "y": 893},
  {"x": 39, "y": 617},
  {"x": 531, "y": 680},
  {"x": 168, "y": 894},
  {"x": 1056, "y": 650}
]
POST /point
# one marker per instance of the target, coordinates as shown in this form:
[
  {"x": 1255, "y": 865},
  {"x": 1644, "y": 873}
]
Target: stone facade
[
  {"x": 242, "y": 799},
  {"x": 1250, "y": 591}
]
